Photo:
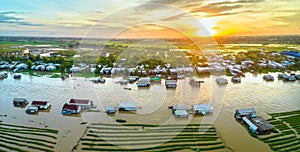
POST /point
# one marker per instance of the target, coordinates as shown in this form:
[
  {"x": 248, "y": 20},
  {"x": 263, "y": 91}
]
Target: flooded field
[{"x": 153, "y": 102}]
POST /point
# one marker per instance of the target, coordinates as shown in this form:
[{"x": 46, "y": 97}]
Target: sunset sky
[{"x": 148, "y": 18}]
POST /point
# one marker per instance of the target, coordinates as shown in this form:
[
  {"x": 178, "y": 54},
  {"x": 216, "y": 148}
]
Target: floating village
[{"x": 228, "y": 71}]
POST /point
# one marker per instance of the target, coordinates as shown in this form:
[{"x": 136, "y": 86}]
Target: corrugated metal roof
[
  {"x": 250, "y": 124},
  {"x": 127, "y": 104}
]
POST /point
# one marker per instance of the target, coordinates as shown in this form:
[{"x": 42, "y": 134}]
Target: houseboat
[
  {"x": 180, "y": 111},
  {"x": 193, "y": 82},
  {"x": 70, "y": 109},
  {"x": 3, "y": 75},
  {"x": 268, "y": 78},
  {"x": 20, "y": 102},
  {"x": 98, "y": 80},
  {"x": 32, "y": 110},
  {"x": 221, "y": 81},
  {"x": 132, "y": 79},
  {"x": 256, "y": 124},
  {"x": 171, "y": 83},
  {"x": 156, "y": 79},
  {"x": 43, "y": 105},
  {"x": 143, "y": 82},
  {"x": 127, "y": 106},
  {"x": 110, "y": 110},
  {"x": 249, "y": 112},
  {"x": 17, "y": 76},
  {"x": 84, "y": 104},
  {"x": 202, "y": 109},
  {"x": 123, "y": 82},
  {"x": 236, "y": 80},
  {"x": 282, "y": 76}
]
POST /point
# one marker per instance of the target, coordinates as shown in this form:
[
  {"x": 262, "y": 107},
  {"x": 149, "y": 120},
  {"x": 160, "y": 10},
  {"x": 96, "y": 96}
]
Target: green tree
[{"x": 29, "y": 63}]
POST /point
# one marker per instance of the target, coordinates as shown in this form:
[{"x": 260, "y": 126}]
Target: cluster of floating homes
[
  {"x": 256, "y": 124},
  {"x": 182, "y": 111},
  {"x": 38, "y": 66},
  {"x": 34, "y": 107},
  {"x": 76, "y": 105}
]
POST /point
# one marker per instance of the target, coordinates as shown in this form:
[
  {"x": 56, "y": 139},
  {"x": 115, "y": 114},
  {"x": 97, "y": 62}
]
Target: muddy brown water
[{"x": 153, "y": 102}]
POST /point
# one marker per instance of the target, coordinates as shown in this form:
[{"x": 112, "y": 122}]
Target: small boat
[
  {"x": 268, "y": 78},
  {"x": 126, "y": 88}
]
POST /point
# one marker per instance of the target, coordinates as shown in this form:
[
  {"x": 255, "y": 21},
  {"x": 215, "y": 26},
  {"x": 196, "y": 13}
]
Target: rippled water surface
[{"x": 153, "y": 102}]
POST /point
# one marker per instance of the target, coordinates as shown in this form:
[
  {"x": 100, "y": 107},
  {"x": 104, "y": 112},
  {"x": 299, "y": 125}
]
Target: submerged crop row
[
  {"x": 25, "y": 139},
  {"x": 146, "y": 137},
  {"x": 286, "y": 137}
]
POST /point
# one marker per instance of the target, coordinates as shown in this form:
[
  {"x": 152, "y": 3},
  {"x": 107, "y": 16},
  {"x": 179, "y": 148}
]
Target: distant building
[{"x": 127, "y": 106}]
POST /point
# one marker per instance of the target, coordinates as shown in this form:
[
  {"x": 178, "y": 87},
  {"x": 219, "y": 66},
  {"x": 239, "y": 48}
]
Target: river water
[{"x": 153, "y": 102}]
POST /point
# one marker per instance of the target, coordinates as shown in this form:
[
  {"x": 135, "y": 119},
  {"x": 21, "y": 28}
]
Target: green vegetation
[
  {"x": 288, "y": 130},
  {"x": 40, "y": 139},
  {"x": 108, "y": 137}
]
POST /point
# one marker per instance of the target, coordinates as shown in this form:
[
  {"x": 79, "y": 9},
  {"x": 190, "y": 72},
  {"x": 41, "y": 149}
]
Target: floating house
[
  {"x": 17, "y": 76},
  {"x": 84, "y": 104},
  {"x": 132, "y": 79},
  {"x": 236, "y": 79},
  {"x": 123, "y": 81},
  {"x": 263, "y": 126},
  {"x": 110, "y": 110},
  {"x": 193, "y": 82},
  {"x": 32, "y": 110},
  {"x": 20, "y": 102},
  {"x": 127, "y": 106},
  {"x": 70, "y": 109},
  {"x": 221, "y": 81},
  {"x": 256, "y": 124},
  {"x": 171, "y": 83},
  {"x": 252, "y": 127},
  {"x": 98, "y": 80},
  {"x": 144, "y": 82},
  {"x": 268, "y": 78},
  {"x": 180, "y": 110},
  {"x": 3, "y": 75},
  {"x": 202, "y": 109},
  {"x": 41, "y": 104},
  {"x": 249, "y": 112}
]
